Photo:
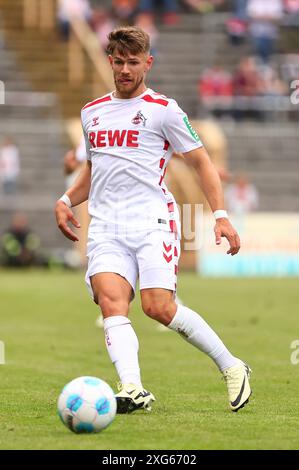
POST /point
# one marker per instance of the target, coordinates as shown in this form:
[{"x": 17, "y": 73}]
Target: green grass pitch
[{"x": 47, "y": 322}]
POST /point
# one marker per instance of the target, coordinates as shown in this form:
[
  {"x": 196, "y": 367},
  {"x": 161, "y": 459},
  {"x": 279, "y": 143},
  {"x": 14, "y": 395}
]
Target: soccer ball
[{"x": 87, "y": 404}]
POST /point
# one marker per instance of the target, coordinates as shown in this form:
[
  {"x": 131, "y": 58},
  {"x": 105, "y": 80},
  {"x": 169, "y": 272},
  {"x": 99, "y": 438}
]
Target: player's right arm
[
  {"x": 182, "y": 137},
  {"x": 77, "y": 194}
]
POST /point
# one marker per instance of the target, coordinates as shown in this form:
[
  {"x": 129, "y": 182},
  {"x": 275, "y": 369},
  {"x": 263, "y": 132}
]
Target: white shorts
[{"x": 150, "y": 256}]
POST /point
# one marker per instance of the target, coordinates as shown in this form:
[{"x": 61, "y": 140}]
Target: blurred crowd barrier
[{"x": 269, "y": 241}]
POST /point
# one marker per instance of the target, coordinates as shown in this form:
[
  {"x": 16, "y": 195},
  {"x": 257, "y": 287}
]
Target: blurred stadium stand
[
  {"x": 268, "y": 153},
  {"x": 33, "y": 119},
  {"x": 186, "y": 50},
  {"x": 47, "y": 80}
]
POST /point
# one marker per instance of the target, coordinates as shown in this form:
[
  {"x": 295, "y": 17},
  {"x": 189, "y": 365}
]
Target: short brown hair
[{"x": 128, "y": 40}]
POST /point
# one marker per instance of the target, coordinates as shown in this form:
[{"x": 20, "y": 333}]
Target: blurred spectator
[
  {"x": 145, "y": 21},
  {"x": 215, "y": 90},
  {"x": 264, "y": 17},
  {"x": 72, "y": 9},
  {"x": 20, "y": 245},
  {"x": 237, "y": 30},
  {"x": 9, "y": 165},
  {"x": 170, "y": 9},
  {"x": 252, "y": 84},
  {"x": 125, "y": 10},
  {"x": 246, "y": 80},
  {"x": 237, "y": 24},
  {"x": 241, "y": 196},
  {"x": 290, "y": 68},
  {"x": 272, "y": 85},
  {"x": 102, "y": 24},
  {"x": 240, "y": 9},
  {"x": 247, "y": 84},
  {"x": 254, "y": 90},
  {"x": 204, "y": 6},
  {"x": 72, "y": 163},
  {"x": 291, "y": 8}
]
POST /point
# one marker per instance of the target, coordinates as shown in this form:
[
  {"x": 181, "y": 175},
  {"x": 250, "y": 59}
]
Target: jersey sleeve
[
  {"x": 178, "y": 130},
  {"x": 80, "y": 152},
  {"x": 86, "y": 140}
]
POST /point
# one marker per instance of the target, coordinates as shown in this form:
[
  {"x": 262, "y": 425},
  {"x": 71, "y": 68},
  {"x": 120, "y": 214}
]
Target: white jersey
[{"x": 130, "y": 142}]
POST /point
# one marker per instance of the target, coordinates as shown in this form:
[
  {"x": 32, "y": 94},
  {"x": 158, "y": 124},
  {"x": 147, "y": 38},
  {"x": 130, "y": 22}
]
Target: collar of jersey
[{"x": 124, "y": 100}]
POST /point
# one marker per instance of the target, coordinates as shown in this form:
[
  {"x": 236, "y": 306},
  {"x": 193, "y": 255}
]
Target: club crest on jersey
[
  {"x": 139, "y": 118},
  {"x": 95, "y": 121}
]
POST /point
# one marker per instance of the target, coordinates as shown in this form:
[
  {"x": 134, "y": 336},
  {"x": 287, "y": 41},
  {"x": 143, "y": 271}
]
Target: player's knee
[
  {"x": 160, "y": 311},
  {"x": 112, "y": 306}
]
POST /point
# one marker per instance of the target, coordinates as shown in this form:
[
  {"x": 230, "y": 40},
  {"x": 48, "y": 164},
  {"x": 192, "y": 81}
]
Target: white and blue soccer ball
[{"x": 87, "y": 405}]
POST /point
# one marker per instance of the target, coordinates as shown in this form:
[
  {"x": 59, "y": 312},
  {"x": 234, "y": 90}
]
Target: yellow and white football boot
[{"x": 237, "y": 381}]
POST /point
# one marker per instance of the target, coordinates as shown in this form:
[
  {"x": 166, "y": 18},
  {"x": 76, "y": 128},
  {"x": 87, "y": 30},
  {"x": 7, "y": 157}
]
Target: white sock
[
  {"x": 122, "y": 346},
  {"x": 193, "y": 328}
]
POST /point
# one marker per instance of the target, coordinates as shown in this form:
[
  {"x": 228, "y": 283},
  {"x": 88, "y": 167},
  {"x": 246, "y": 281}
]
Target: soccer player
[{"x": 134, "y": 232}]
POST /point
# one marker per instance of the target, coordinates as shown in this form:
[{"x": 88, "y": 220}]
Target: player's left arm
[{"x": 211, "y": 186}]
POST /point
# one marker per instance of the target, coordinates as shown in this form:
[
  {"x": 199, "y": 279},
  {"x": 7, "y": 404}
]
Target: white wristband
[
  {"x": 220, "y": 213},
  {"x": 66, "y": 200}
]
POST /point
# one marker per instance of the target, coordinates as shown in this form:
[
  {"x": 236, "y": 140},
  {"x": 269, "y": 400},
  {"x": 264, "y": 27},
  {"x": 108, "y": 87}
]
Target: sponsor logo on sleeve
[{"x": 190, "y": 129}]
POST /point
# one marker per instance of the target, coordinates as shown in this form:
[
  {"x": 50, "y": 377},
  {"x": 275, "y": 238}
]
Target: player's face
[{"x": 129, "y": 73}]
